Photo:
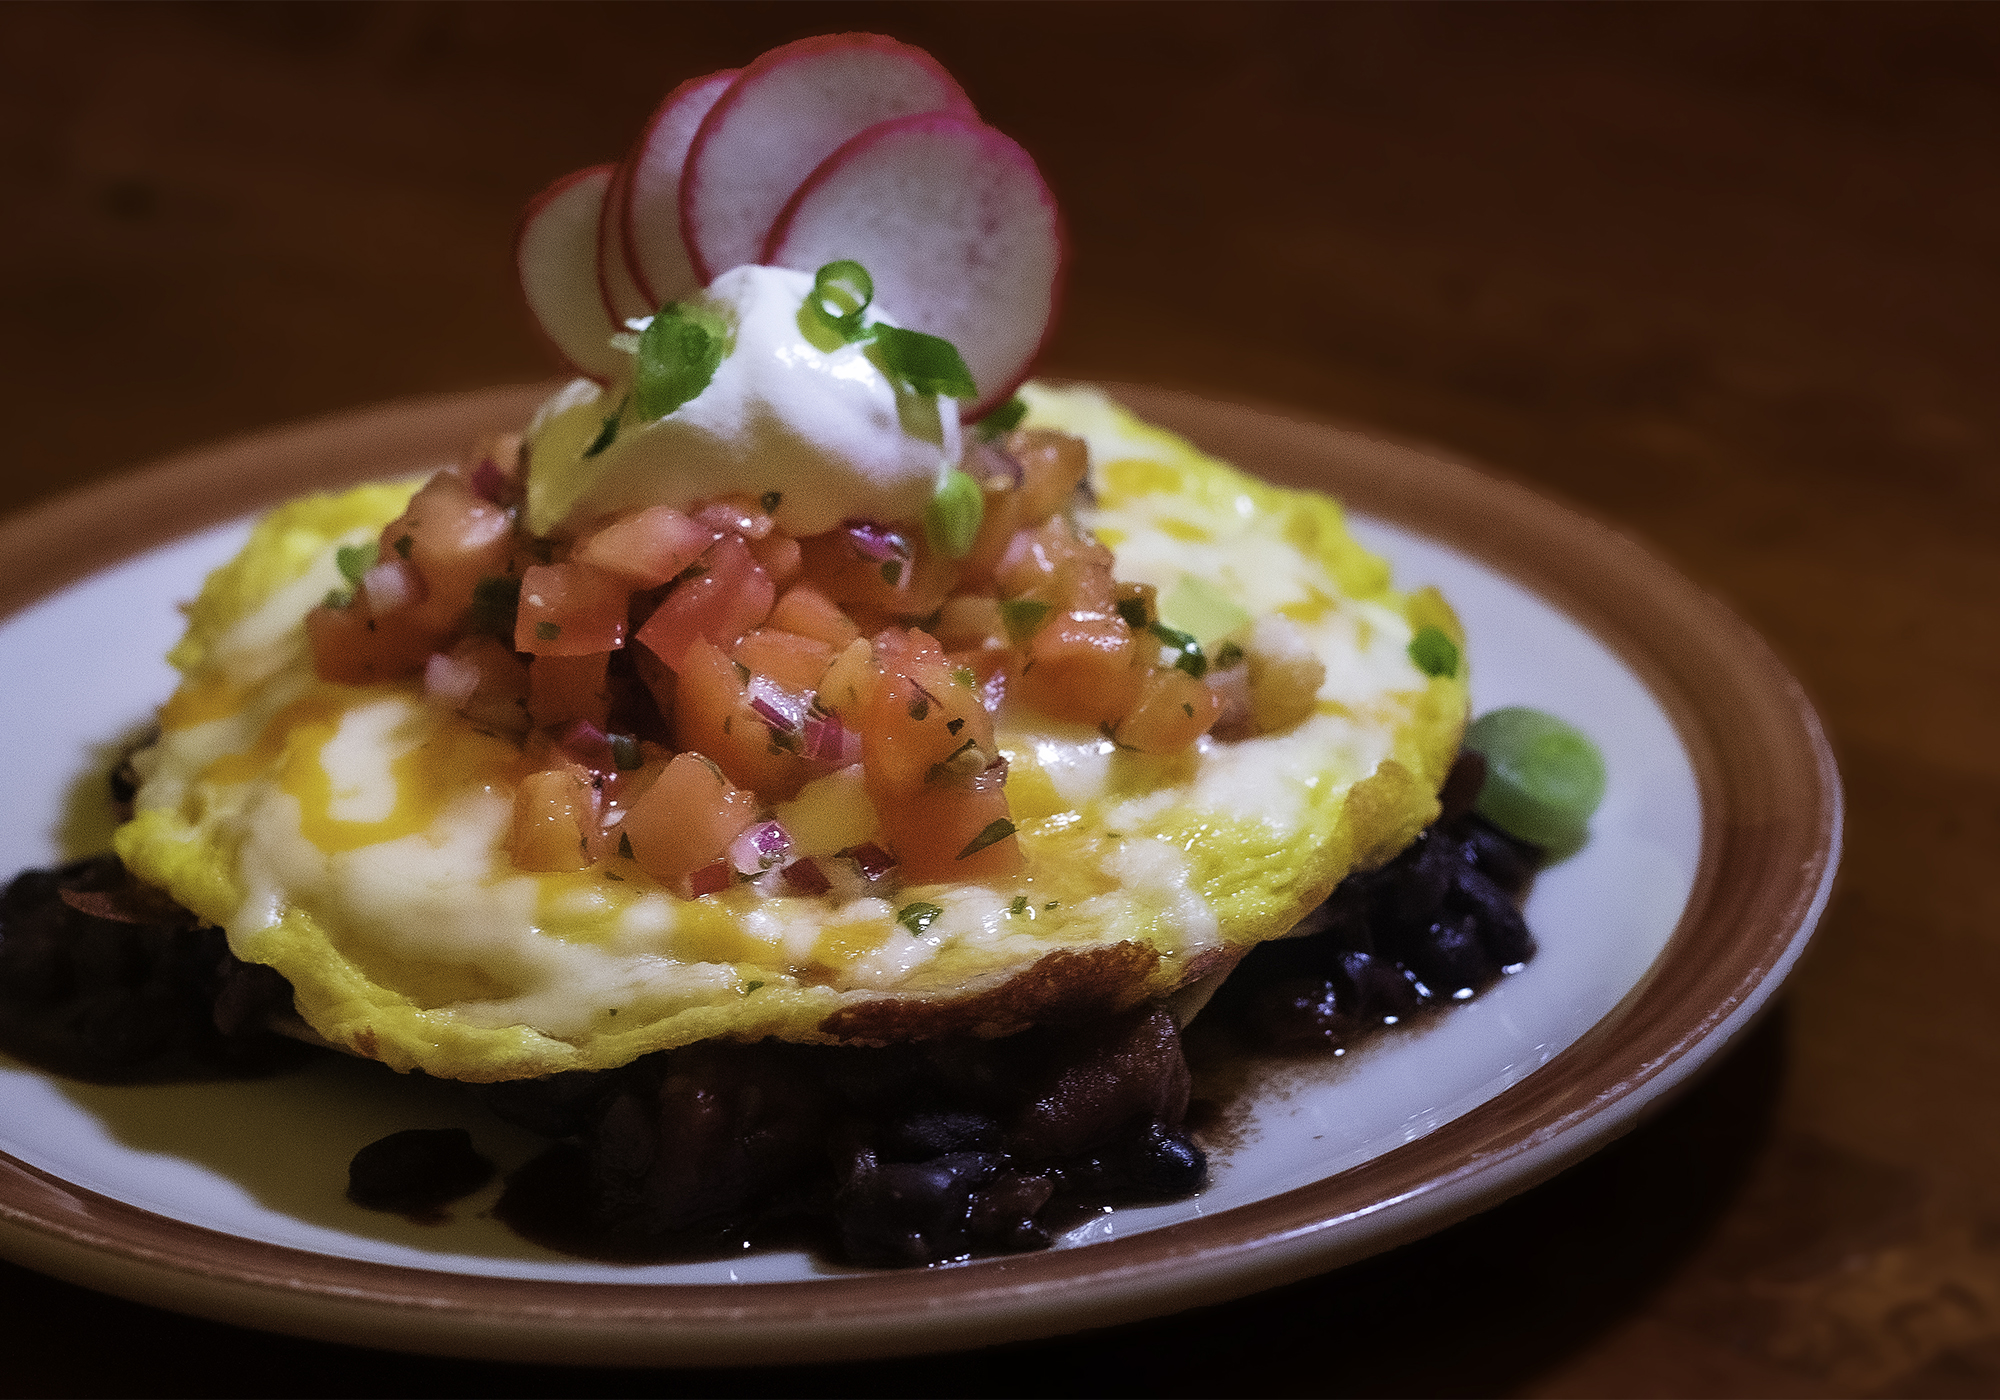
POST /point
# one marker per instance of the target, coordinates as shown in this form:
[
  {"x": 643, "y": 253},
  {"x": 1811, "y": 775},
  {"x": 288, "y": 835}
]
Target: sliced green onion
[
  {"x": 354, "y": 560},
  {"x": 1544, "y": 777},
  {"x": 951, "y": 520},
  {"x": 923, "y": 364},
  {"x": 1002, "y": 420},
  {"x": 678, "y": 356},
  {"x": 1434, "y": 653},
  {"x": 1022, "y": 616},
  {"x": 607, "y": 434},
  {"x": 842, "y": 292},
  {"x": 918, "y": 917}
]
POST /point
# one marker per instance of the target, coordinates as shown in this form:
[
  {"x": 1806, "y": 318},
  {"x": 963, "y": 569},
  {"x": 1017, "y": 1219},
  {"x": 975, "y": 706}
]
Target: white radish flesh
[
  {"x": 790, "y": 110},
  {"x": 650, "y": 216},
  {"x": 620, "y": 291},
  {"x": 556, "y": 256},
  {"x": 956, "y": 228}
]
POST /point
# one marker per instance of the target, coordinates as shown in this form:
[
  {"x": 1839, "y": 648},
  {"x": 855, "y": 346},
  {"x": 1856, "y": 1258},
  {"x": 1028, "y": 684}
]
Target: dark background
[{"x": 1725, "y": 276}]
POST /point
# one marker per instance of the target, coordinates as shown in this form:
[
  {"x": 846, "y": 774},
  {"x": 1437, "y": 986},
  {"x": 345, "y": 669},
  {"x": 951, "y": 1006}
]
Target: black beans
[
  {"x": 417, "y": 1171},
  {"x": 1438, "y": 923}
]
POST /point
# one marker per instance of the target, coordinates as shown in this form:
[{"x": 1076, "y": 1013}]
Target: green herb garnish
[
  {"x": 997, "y": 830},
  {"x": 841, "y": 295},
  {"x": 1022, "y": 617},
  {"x": 678, "y": 355},
  {"x": 625, "y": 752},
  {"x": 918, "y": 917},
  {"x": 354, "y": 560},
  {"x": 922, "y": 364},
  {"x": 1189, "y": 656},
  {"x": 952, "y": 519},
  {"x": 625, "y": 845},
  {"x": 547, "y": 631},
  {"x": 1434, "y": 653},
  {"x": 1002, "y": 420}
]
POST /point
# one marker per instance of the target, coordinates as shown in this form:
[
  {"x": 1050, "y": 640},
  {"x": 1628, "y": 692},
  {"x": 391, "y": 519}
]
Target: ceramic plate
[{"x": 1708, "y": 865}]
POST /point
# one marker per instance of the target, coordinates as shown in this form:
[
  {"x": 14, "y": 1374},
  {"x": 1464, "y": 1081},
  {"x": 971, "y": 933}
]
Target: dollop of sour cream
[{"x": 820, "y": 425}]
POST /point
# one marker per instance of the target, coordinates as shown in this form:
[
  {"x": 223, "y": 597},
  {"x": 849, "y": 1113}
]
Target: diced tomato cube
[
  {"x": 1082, "y": 665},
  {"x": 733, "y": 595},
  {"x": 780, "y": 556},
  {"x": 806, "y": 610},
  {"x": 912, "y": 583},
  {"x": 499, "y": 697},
  {"x": 712, "y": 716},
  {"x": 453, "y": 538},
  {"x": 954, "y": 829},
  {"x": 1173, "y": 710},
  {"x": 555, "y": 810},
  {"x": 917, "y": 720},
  {"x": 686, "y": 819},
  {"x": 648, "y": 547},
  {"x": 352, "y": 646},
  {"x": 786, "y": 657},
  {"x": 570, "y": 610}
]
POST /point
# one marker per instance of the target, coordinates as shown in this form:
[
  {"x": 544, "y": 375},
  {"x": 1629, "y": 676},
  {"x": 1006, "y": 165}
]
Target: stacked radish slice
[{"x": 848, "y": 146}]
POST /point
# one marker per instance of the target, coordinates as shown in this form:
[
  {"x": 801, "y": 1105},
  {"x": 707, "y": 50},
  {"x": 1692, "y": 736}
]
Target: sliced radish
[
  {"x": 790, "y": 110},
  {"x": 556, "y": 255},
  {"x": 649, "y": 214},
  {"x": 623, "y": 297},
  {"x": 955, "y": 226}
]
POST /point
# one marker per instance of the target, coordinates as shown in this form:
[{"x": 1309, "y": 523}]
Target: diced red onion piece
[
  {"x": 988, "y": 462},
  {"x": 449, "y": 679},
  {"x": 758, "y": 848},
  {"x": 392, "y": 584},
  {"x": 489, "y": 481},
  {"x": 873, "y": 860},
  {"x": 778, "y": 707},
  {"x": 588, "y": 745},
  {"x": 711, "y": 878},
  {"x": 803, "y": 876},
  {"x": 876, "y": 542}
]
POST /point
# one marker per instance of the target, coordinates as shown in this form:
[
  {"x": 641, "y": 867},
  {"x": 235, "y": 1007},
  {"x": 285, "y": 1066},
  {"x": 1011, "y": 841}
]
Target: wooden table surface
[{"x": 1724, "y": 276}]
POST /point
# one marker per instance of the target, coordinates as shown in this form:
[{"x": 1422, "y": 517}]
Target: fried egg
[{"x": 353, "y": 838}]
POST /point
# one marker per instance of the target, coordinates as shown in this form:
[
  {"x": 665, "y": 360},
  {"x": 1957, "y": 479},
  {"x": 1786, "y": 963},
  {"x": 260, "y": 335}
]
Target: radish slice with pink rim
[
  {"x": 620, "y": 291},
  {"x": 790, "y": 110},
  {"x": 649, "y": 215},
  {"x": 957, "y": 229},
  {"x": 556, "y": 256}
]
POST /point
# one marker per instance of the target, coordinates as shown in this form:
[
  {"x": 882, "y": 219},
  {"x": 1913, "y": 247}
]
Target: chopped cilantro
[
  {"x": 952, "y": 727},
  {"x": 769, "y": 501},
  {"x": 1002, "y": 420},
  {"x": 548, "y": 631},
  {"x": 918, "y": 917},
  {"x": 998, "y": 829},
  {"x": 892, "y": 572},
  {"x": 749, "y": 987},
  {"x": 1133, "y": 610},
  {"x": 403, "y": 543},
  {"x": 625, "y": 752},
  {"x": 607, "y": 434},
  {"x": 965, "y": 676},
  {"x": 625, "y": 845},
  {"x": 1020, "y": 907},
  {"x": 1227, "y": 655},
  {"x": 1022, "y": 616},
  {"x": 1189, "y": 656}
]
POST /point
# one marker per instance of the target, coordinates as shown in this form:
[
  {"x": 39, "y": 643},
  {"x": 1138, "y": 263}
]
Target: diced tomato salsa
[{"x": 672, "y": 674}]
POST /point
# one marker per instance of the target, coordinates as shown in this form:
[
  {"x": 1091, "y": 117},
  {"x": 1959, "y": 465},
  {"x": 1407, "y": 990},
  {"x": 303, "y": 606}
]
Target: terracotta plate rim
[{"x": 1771, "y": 811}]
